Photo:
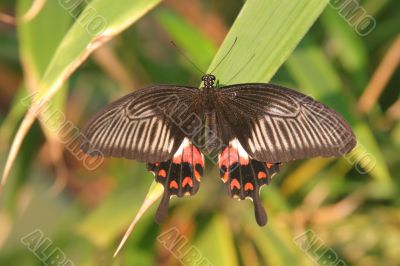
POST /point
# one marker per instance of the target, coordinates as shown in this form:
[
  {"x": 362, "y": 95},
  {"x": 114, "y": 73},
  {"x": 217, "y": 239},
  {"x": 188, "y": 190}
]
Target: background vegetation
[{"x": 347, "y": 207}]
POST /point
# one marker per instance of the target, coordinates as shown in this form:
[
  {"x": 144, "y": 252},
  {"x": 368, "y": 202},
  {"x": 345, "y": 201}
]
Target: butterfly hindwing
[
  {"x": 147, "y": 125},
  {"x": 245, "y": 176},
  {"x": 277, "y": 124},
  {"x": 179, "y": 176}
]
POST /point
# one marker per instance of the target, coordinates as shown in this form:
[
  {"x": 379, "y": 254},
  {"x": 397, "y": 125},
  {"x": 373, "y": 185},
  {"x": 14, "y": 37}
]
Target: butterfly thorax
[
  {"x": 210, "y": 119},
  {"x": 208, "y": 93}
]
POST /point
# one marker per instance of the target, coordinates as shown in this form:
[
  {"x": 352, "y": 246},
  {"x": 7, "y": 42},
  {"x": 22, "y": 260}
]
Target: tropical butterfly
[{"x": 250, "y": 129}]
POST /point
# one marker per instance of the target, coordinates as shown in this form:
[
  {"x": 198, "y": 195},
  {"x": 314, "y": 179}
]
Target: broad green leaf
[{"x": 266, "y": 32}]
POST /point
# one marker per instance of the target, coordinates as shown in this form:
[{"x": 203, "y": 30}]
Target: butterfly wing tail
[{"x": 244, "y": 177}]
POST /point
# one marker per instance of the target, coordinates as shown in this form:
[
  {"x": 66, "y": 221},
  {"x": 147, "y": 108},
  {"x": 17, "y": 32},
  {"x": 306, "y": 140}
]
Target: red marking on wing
[
  {"x": 173, "y": 184},
  {"x": 162, "y": 173},
  {"x": 269, "y": 165},
  {"x": 248, "y": 186},
  {"x": 235, "y": 183},
  {"x": 187, "y": 181},
  {"x": 188, "y": 154},
  {"x": 228, "y": 157},
  {"x": 243, "y": 161},
  {"x": 261, "y": 175},
  {"x": 197, "y": 157},
  {"x": 177, "y": 159}
]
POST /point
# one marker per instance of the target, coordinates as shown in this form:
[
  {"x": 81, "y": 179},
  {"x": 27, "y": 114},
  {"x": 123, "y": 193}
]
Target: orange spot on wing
[
  {"x": 248, "y": 186},
  {"x": 225, "y": 177},
  {"x": 197, "y": 175},
  {"x": 261, "y": 175},
  {"x": 162, "y": 173},
  {"x": 173, "y": 184},
  {"x": 235, "y": 183},
  {"x": 187, "y": 181},
  {"x": 269, "y": 165}
]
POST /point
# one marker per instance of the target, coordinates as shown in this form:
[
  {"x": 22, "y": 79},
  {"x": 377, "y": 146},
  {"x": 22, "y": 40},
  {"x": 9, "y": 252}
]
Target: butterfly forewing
[
  {"x": 276, "y": 124},
  {"x": 147, "y": 125}
]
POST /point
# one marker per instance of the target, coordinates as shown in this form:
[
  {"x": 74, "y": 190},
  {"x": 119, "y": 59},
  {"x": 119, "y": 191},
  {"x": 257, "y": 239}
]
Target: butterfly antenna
[
  {"x": 241, "y": 69},
  {"x": 187, "y": 58},
  {"x": 223, "y": 58}
]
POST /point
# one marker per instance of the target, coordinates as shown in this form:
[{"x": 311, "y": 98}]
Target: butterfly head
[{"x": 208, "y": 80}]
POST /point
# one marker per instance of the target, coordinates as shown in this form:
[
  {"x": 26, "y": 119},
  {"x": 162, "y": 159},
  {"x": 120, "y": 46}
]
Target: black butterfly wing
[
  {"x": 147, "y": 125},
  {"x": 275, "y": 124}
]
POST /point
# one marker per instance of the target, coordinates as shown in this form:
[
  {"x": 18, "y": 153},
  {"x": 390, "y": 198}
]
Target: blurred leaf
[
  {"x": 114, "y": 215},
  {"x": 107, "y": 221},
  {"x": 35, "y": 56},
  {"x": 34, "y": 51},
  {"x": 347, "y": 46},
  {"x": 302, "y": 174},
  {"x": 96, "y": 24},
  {"x": 219, "y": 251},
  {"x": 13, "y": 116},
  {"x": 35, "y": 8},
  {"x": 320, "y": 80},
  {"x": 156, "y": 191},
  {"x": 274, "y": 249},
  {"x": 188, "y": 38}
]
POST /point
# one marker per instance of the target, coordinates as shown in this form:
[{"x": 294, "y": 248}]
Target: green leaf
[
  {"x": 219, "y": 251},
  {"x": 320, "y": 80},
  {"x": 35, "y": 53},
  {"x": 114, "y": 215},
  {"x": 188, "y": 38},
  {"x": 96, "y": 24},
  {"x": 267, "y": 32}
]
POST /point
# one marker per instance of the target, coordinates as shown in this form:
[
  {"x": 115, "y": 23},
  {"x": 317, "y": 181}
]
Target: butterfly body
[{"x": 247, "y": 129}]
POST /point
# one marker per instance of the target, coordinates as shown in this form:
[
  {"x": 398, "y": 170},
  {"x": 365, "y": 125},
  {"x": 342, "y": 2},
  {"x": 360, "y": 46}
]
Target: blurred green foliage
[{"x": 352, "y": 216}]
